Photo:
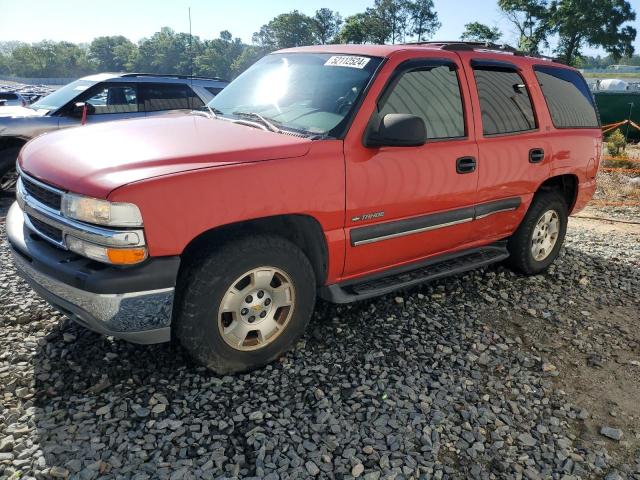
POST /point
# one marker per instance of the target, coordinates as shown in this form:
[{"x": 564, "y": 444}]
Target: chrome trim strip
[
  {"x": 101, "y": 236},
  {"x": 510, "y": 209},
  {"x": 411, "y": 232}
]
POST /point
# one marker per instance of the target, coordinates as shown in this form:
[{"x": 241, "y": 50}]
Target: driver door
[
  {"x": 108, "y": 101},
  {"x": 408, "y": 203}
]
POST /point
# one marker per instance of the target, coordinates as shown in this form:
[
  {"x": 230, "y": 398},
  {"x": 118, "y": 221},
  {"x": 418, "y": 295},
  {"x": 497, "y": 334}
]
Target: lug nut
[
  {"x": 249, "y": 299},
  {"x": 263, "y": 314},
  {"x": 252, "y": 319},
  {"x": 260, "y": 294},
  {"x": 267, "y": 302},
  {"x": 244, "y": 311}
]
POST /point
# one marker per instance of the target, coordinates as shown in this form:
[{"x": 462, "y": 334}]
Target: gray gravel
[{"x": 428, "y": 383}]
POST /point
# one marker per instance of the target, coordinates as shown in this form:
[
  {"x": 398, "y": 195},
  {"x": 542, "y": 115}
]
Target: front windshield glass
[
  {"x": 62, "y": 96},
  {"x": 309, "y": 92}
]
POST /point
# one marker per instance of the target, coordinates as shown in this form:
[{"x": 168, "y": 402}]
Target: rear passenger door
[
  {"x": 158, "y": 98},
  {"x": 514, "y": 155}
]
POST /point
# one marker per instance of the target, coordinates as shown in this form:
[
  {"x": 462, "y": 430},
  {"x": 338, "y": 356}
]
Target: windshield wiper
[{"x": 256, "y": 116}]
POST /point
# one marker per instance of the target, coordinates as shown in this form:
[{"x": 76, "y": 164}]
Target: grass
[{"x": 613, "y": 74}]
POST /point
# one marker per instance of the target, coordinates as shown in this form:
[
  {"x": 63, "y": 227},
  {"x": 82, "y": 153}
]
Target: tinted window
[
  {"x": 114, "y": 98},
  {"x": 568, "y": 98},
  {"x": 8, "y": 96},
  {"x": 504, "y": 102},
  {"x": 213, "y": 90},
  {"x": 169, "y": 97},
  {"x": 434, "y": 95}
]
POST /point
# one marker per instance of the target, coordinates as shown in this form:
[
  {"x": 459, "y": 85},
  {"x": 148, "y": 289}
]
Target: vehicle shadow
[{"x": 101, "y": 405}]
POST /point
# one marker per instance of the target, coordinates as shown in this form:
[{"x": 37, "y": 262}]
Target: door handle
[
  {"x": 536, "y": 155},
  {"x": 465, "y": 165}
]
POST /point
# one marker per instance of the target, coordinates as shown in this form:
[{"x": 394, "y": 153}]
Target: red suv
[{"x": 344, "y": 171}]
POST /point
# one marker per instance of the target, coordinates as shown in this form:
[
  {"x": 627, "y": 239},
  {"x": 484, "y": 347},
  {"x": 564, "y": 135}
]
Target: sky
[{"x": 82, "y": 20}]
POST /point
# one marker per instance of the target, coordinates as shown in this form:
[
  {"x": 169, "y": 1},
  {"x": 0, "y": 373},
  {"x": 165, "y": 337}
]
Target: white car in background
[{"x": 12, "y": 99}]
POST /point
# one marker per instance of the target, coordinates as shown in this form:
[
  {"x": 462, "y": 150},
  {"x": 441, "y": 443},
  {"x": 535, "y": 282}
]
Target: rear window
[
  {"x": 213, "y": 90},
  {"x": 8, "y": 96},
  {"x": 504, "y": 101},
  {"x": 568, "y": 98}
]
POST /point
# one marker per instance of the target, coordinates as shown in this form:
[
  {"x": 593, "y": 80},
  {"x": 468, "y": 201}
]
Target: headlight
[
  {"x": 101, "y": 212},
  {"x": 114, "y": 256}
]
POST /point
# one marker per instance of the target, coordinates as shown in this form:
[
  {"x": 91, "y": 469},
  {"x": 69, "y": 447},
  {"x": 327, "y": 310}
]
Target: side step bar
[{"x": 414, "y": 274}]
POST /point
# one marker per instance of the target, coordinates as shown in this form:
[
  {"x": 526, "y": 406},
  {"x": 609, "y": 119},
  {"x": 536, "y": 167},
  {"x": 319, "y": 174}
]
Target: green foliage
[
  {"x": 49, "y": 59},
  {"x": 616, "y": 142},
  {"x": 595, "y": 23},
  {"x": 326, "y": 25},
  {"x": 532, "y": 21},
  {"x": 423, "y": 19},
  {"x": 479, "y": 32},
  {"x": 112, "y": 54},
  {"x": 293, "y": 29}
]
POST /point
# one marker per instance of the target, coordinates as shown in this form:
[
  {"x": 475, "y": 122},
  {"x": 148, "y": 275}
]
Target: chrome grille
[
  {"x": 50, "y": 198},
  {"x": 46, "y": 230}
]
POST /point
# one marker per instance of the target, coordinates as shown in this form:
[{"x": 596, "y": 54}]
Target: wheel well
[
  {"x": 301, "y": 230},
  {"x": 565, "y": 185},
  {"x": 10, "y": 142}
]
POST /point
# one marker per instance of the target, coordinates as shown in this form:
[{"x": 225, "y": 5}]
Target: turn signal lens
[
  {"x": 114, "y": 256},
  {"x": 126, "y": 256}
]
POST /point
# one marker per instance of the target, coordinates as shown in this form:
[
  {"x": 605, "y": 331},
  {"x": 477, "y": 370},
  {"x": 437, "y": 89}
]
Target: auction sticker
[{"x": 350, "y": 61}]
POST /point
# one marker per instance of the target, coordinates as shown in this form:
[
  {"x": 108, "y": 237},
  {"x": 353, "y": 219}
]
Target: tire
[
  {"x": 521, "y": 244},
  {"x": 199, "y": 323},
  {"x": 8, "y": 174}
]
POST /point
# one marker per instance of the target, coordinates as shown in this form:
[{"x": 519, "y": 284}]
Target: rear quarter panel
[{"x": 177, "y": 208}]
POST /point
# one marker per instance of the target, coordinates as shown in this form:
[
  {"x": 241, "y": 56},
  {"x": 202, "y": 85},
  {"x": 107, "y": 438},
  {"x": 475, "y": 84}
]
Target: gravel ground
[{"x": 486, "y": 375}]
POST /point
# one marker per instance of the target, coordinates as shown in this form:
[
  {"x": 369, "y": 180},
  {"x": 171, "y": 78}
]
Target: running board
[{"x": 414, "y": 274}]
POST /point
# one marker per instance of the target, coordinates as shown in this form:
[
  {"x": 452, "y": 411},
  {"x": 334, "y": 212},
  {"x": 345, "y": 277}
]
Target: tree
[
  {"x": 49, "y": 59},
  {"x": 218, "y": 56},
  {"x": 167, "y": 52},
  {"x": 531, "y": 19},
  {"x": 594, "y": 23},
  {"x": 293, "y": 29},
  {"x": 326, "y": 25},
  {"x": 112, "y": 54},
  {"x": 365, "y": 27},
  {"x": 393, "y": 16},
  {"x": 479, "y": 32},
  {"x": 423, "y": 19}
]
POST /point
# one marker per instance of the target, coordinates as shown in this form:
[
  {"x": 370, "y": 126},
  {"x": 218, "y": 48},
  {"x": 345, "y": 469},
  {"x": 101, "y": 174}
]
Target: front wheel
[
  {"x": 244, "y": 304},
  {"x": 537, "y": 242}
]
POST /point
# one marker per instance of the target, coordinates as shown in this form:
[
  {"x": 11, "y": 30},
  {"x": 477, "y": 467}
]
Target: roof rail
[
  {"x": 461, "y": 45},
  {"x": 172, "y": 75}
]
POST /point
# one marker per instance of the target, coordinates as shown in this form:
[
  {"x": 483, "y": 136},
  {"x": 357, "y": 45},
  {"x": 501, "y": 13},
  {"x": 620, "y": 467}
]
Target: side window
[
  {"x": 433, "y": 94},
  {"x": 158, "y": 97},
  {"x": 568, "y": 98},
  {"x": 113, "y": 98},
  {"x": 504, "y": 101},
  {"x": 213, "y": 90}
]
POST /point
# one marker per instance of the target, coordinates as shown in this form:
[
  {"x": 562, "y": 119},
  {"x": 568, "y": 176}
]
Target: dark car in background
[{"x": 98, "y": 98}]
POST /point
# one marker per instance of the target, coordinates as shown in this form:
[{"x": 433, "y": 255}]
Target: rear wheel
[
  {"x": 244, "y": 304},
  {"x": 8, "y": 174},
  {"x": 537, "y": 242}
]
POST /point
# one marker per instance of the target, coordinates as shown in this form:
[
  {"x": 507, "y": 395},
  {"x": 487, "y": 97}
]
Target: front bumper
[{"x": 134, "y": 304}]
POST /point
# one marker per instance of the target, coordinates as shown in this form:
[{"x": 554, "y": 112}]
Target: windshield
[
  {"x": 314, "y": 93},
  {"x": 62, "y": 96}
]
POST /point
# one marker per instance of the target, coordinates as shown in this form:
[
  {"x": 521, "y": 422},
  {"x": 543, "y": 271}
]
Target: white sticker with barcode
[{"x": 350, "y": 61}]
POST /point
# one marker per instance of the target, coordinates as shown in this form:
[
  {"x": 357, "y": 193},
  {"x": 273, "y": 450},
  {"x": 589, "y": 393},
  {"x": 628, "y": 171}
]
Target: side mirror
[{"x": 397, "y": 130}]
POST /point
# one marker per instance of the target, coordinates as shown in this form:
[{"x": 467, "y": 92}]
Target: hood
[
  {"x": 21, "y": 112},
  {"x": 95, "y": 160}
]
